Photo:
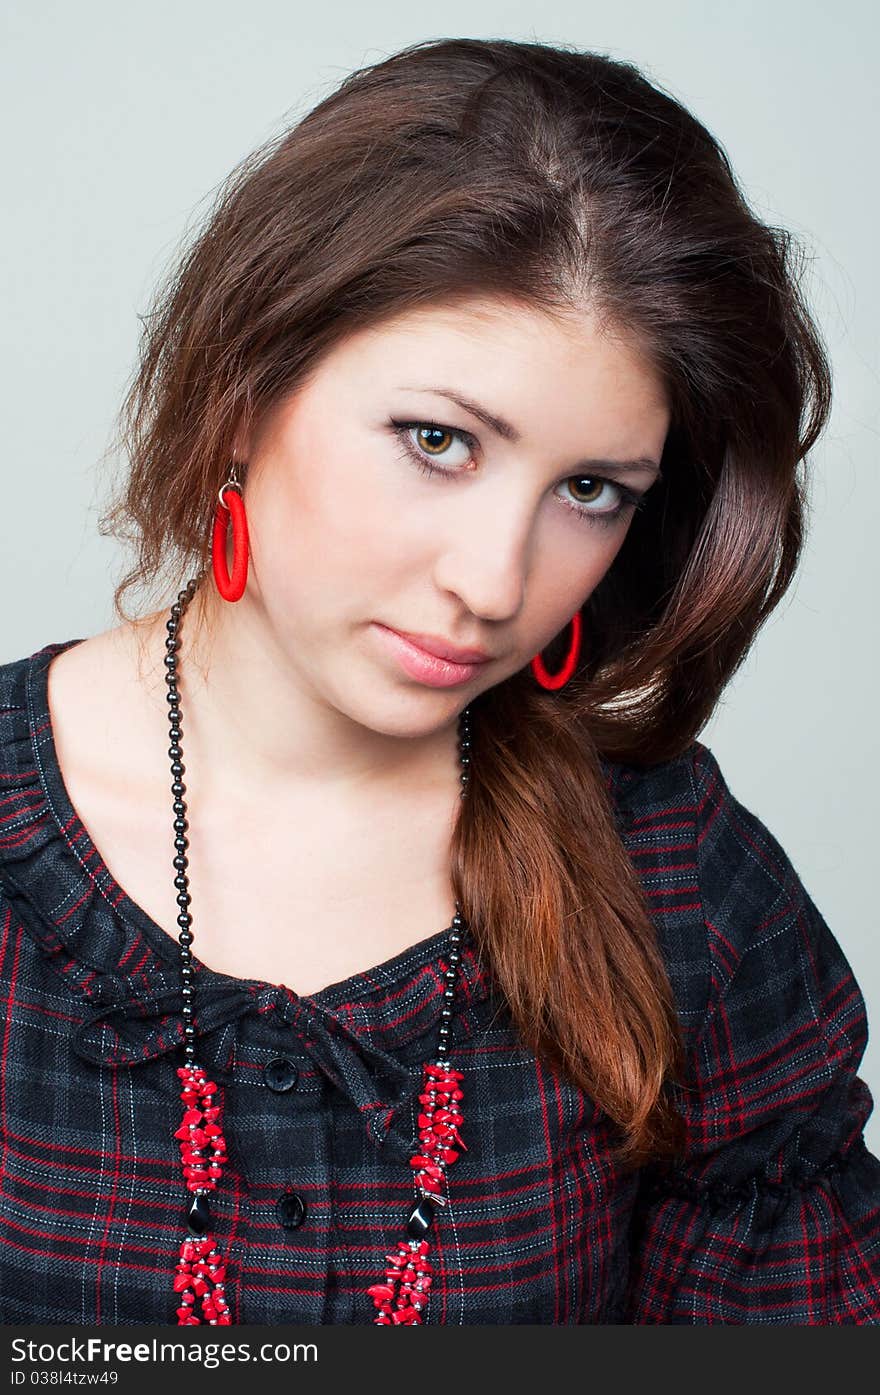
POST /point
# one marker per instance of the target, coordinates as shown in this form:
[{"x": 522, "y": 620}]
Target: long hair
[{"x": 557, "y": 178}]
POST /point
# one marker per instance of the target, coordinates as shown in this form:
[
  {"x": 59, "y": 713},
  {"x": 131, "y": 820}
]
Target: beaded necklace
[{"x": 200, "y": 1273}]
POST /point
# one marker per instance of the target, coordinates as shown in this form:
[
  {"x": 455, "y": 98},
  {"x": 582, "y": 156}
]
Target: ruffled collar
[{"x": 122, "y": 966}]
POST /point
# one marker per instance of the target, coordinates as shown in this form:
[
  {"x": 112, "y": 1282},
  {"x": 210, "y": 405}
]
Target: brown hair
[{"x": 557, "y": 178}]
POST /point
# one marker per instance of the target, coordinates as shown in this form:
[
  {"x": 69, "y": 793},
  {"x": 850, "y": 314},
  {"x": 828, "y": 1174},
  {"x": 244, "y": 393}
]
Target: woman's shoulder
[
  {"x": 13, "y": 678},
  {"x": 38, "y": 857},
  {"x": 21, "y": 682},
  {"x": 774, "y": 1020},
  {"x": 26, "y": 748},
  {"x": 684, "y": 816},
  {"x": 733, "y": 915},
  {"x": 25, "y": 723},
  {"x": 20, "y": 677},
  {"x": 86, "y": 682}
]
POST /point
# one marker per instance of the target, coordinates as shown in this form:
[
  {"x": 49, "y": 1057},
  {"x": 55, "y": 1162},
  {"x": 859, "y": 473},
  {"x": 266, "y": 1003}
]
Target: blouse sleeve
[{"x": 772, "y": 1212}]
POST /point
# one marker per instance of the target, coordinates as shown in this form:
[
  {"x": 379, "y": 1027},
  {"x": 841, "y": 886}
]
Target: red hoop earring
[
  {"x": 558, "y": 680},
  {"x": 231, "y": 588}
]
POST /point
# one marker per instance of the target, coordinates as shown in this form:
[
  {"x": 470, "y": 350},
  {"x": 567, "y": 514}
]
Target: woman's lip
[
  {"x": 425, "y": 667},
  {"x": 440, "y": 649}
]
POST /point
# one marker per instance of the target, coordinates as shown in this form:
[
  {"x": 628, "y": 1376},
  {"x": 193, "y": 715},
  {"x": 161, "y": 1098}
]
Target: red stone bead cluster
[
  {"x": 401, "y": 1299},
  {"x": 200, "y": 1271},
  {"x": 200, "y": 1130},
  {"x": 438, "y": 1125}
]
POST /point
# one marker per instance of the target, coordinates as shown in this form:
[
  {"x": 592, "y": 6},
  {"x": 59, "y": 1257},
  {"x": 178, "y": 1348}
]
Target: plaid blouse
[{"x": 772, "y": 1216}]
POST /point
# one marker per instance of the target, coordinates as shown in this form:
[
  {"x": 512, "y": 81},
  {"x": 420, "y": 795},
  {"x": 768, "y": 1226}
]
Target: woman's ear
[{"x": 242, "y": 437}]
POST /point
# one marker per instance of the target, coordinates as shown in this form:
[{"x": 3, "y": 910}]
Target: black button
[
  {"x": 281, "y": 1074},
  {"x": 291, "y": 1210}
]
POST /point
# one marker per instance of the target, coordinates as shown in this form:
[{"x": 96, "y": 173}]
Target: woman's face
[{"x": 495, "y": 550}]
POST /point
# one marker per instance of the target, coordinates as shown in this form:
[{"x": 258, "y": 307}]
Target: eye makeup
[{"x": 628, "y": 500}]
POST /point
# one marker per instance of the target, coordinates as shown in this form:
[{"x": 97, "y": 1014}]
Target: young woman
[{"x": 379, "y": 943}]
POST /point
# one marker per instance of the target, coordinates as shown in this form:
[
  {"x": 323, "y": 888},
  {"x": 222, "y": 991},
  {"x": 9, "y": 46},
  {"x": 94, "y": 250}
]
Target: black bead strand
[{"x": 198, "y": 1214}]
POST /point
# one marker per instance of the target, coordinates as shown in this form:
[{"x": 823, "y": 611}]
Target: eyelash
[{"x": 608, "y": 517}]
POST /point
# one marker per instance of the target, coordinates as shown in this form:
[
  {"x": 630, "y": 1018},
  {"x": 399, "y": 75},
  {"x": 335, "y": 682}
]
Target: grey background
[{"x": 120, "y": 121}]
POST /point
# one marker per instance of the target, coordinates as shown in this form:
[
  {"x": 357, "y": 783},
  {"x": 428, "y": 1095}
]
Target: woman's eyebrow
[{"x": 509, "y": 432}]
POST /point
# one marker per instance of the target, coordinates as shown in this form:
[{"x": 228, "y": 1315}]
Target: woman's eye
[
  {"x": 584, "y": 494},
  {"x": 427, "y": 441}
]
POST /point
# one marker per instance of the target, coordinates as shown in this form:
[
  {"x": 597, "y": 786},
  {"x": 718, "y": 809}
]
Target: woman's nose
[{"x": 486, "y": 562}]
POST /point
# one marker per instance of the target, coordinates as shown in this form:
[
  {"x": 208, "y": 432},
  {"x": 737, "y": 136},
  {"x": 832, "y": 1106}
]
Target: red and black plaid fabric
[{"x": 773, "y": 1215}]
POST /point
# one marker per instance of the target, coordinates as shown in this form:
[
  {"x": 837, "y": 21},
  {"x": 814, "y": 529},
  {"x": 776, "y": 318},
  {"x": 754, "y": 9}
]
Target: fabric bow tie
[{"x": 135, "y": 1029}]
